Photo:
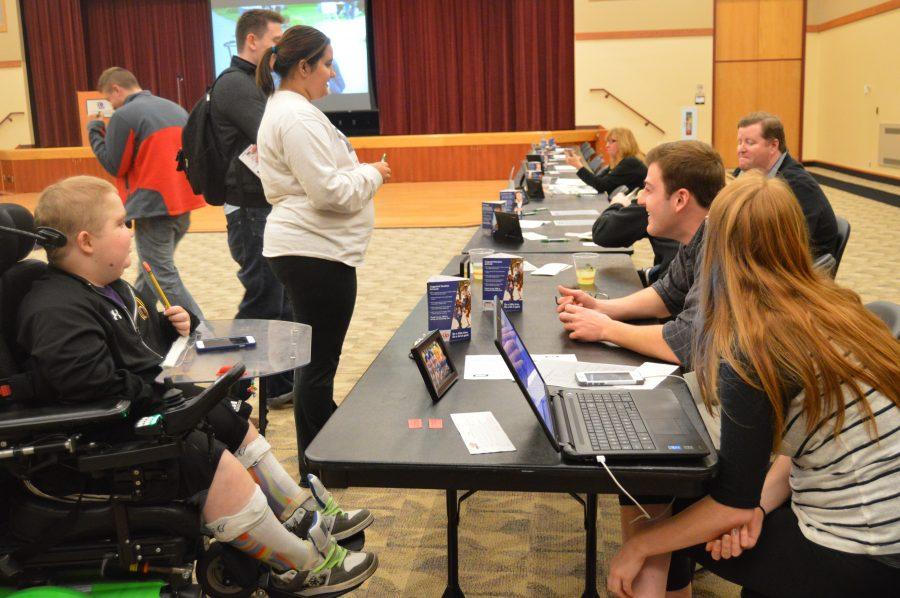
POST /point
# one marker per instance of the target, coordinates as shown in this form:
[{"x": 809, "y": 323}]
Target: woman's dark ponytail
[
  {"x": 264, "y": 79},
  {"x": 297, "y": 44}
]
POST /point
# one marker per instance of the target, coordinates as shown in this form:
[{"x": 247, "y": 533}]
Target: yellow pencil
[{"x": 159, "y": 291}]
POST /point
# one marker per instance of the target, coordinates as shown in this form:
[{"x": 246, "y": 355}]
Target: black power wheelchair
[{"x": 120, "y": 520}]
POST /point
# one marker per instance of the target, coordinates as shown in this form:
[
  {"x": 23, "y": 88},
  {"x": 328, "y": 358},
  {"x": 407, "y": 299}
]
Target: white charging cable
[{"x": 601, "y": 459}]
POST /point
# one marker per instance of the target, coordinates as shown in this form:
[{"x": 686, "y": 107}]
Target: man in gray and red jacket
[{"x": 138, "y": 147}]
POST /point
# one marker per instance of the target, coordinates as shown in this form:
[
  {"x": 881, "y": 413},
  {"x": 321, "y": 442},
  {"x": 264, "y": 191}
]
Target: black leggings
[
  {"x": 323, "y": 295},
  {"x": 785, "y": 563}
]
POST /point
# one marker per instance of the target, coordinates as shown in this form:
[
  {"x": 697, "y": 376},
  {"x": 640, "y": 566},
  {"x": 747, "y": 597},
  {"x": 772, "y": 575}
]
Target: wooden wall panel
[
  {"x": 735, "y": 96},
  {"x": 781, "y": 34},
  {"x": 749, "y": 86},
  {"x": 779, "y": 91},
  {"x": 758, "y": 65},
  {"x": 739, "y": 18}
]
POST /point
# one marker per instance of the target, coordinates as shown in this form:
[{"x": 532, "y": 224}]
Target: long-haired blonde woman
[
  {"x": 801, "y": 369},
  {"x": 626, "y": 163}
]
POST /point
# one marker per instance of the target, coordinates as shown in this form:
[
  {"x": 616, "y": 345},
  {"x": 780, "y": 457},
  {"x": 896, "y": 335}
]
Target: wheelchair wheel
[{"x": 221, "y": 573}]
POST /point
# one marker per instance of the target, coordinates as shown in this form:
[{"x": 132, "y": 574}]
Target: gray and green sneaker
[
  {"x": 339, "y": 523},
  {"x": 346, "y": 523},
  {"x": 341, "y": 570}
]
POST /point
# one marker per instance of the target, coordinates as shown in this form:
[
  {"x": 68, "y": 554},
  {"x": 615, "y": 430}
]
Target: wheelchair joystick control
[{"x": 173, "y": 398}]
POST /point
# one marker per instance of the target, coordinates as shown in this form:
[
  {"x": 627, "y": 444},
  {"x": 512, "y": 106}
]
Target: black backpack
[{"x": 200, "y": 157}]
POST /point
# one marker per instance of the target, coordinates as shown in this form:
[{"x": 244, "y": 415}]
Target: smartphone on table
[
  {"x": 225, "y": 344},
  {"x": 612, "y": 378}
]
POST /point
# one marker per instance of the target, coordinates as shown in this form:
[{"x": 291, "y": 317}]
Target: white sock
[
  {"x": 282, "y": 492},
  {"x": 256, "y": 531}
]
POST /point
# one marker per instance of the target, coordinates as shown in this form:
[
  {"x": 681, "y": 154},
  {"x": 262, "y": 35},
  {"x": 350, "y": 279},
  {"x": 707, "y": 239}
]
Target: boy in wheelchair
[{"x": 86, "y": 334}]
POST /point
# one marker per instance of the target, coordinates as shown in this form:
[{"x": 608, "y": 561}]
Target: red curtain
[
  {"x": 167, "y": 44},
  {"x": 54, "y": 40},
  {"x": 460, "y": 66}
]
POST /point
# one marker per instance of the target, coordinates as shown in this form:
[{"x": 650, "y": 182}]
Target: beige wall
[
  {"x": 638, "y": 15},
  {"x": 841, "y": 120},
  {"x": 656, "y": 76},
  {"x": 819, "y": 11},
  {"x": 14, "y": 83}
]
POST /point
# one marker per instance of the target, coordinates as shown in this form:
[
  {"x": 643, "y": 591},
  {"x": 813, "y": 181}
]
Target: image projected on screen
[{"x": 343, "y": 22}]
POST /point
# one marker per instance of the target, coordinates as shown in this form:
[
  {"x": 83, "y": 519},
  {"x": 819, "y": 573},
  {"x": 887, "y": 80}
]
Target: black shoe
[{"x": 281, "y": 401}]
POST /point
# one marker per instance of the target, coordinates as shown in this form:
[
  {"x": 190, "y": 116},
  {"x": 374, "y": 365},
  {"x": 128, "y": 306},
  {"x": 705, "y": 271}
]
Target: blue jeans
[
  {"x": 264, "y": 296},
  {"x": 155, "y": 239}
]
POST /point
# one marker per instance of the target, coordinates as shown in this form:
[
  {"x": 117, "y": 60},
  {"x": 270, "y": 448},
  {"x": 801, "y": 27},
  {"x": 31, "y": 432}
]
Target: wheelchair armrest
[
  {"x": 187, "y": 416},
  {"x": 19, "y": 420}
]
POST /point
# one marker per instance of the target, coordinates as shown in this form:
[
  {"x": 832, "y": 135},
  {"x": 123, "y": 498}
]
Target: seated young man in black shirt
[{"x": 89, "y": 335}]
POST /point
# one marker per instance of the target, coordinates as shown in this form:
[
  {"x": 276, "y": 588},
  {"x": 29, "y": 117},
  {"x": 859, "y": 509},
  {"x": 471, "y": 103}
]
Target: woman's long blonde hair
[
  {"x": 777, "y": 321},
  {"x": 628, "y": 146}
]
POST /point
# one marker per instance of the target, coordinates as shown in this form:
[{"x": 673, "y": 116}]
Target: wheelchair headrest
[{"x": 14, "y": 247}]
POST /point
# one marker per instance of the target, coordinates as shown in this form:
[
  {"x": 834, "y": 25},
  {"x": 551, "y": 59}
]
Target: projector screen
[{"x": 343, "y": 22}]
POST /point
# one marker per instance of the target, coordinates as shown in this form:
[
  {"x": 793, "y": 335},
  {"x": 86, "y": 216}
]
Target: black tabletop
[
  {"x": 551, "y": 230},
  {"x": 369, "y": 441}
]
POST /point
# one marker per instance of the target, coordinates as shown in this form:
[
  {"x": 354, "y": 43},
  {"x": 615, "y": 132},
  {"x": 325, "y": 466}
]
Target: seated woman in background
[
  {"x": 624, "y": 222},
  {"x": 626, "y": 163},
  {"x": 799, "y": 368}
]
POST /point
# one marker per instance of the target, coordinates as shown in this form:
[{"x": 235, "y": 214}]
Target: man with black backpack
[{"x": 236, "y": 107}]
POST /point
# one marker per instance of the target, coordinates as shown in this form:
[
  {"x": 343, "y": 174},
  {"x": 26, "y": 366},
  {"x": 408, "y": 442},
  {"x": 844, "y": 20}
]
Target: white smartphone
[
  {"x": 613, "y": 378},
  {"x": 225, "y": 344}
]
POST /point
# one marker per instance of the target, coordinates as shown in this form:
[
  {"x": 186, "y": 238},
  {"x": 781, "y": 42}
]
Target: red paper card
[
  {"x": 414, "y": 424},
  {"x": 435, "y": 423}
]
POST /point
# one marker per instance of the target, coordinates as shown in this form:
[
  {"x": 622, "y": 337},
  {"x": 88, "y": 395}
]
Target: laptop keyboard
[{"x": 613, "y": 422}]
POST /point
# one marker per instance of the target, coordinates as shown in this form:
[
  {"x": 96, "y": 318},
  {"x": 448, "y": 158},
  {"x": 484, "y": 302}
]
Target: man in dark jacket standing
[
  {"x": 761, "y": 146},
  {"x": 237, "y": 109}
]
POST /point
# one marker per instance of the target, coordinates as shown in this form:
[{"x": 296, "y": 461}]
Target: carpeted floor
[{"x": 511, "y": 544}]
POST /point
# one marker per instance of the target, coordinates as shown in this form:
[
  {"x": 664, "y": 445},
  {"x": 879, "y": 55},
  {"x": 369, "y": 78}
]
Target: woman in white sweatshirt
[{"x": 322, "y": 214}]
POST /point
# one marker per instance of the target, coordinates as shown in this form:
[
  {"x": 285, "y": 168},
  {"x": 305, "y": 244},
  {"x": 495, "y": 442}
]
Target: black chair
[
  {"x": 889, "y": 313},
  {"x": 827, "y": 264},
  {"x": 595, "y": 164},
  {"x": 120, "y": 518},
  {"x": 843, "y": 236},
  {"x": 587, "y": 150}
]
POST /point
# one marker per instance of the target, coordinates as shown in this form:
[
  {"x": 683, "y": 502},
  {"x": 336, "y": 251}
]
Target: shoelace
[
  {"x": 335, "y": 558},
  {"x": 332, "y": 508}
]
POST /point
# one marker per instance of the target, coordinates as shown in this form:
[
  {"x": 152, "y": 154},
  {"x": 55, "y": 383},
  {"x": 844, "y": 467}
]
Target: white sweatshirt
[{"x": 321, "y": 195}]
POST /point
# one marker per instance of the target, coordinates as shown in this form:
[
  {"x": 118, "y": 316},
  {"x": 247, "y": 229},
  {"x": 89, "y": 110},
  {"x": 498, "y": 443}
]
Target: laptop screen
[{"x": 523, "y": 369}]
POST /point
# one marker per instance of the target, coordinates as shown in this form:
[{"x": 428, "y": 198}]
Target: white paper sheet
[
  {"x": 176, "y": 352},
  {"x": 250, "y": 158},
  {"x": 590, "y": 244},
  {"x": 530, "y": 236},
  {"x": 573, "y": 222},
  {"x": 492, "y": 367},
  {"x": 574, "y": 213},
  {"x": 528, "y": 266},
  {"x": 585, "y": 235},
  {"x": 526, "y": 224},
  {"x": 551, "y": 269},
  {"x": 481, "y": 433},
  {"x": 570, "y": 183},
  {"x": 565, "y": 168}
]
